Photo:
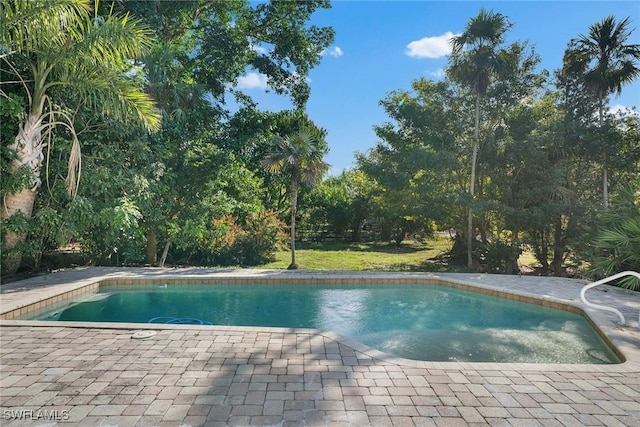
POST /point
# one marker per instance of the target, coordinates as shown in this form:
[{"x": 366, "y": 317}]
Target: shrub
[
  {"x": 263, "y": 234},
  {"x": 499, "y": 257},
  {"x": 618, "y": 239},
  {"x": 620, "y": 251}
]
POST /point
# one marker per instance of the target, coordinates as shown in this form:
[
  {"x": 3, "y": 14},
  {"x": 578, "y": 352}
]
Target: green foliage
[
  {"x": 218, "y": 41},
  {"x": 55, "y": 54},
  {"x": 47, "y": 231},
  {"x": 107, "y": 234},
  {"x": 10, "y": 109},
  {"x": 209, "y": 208},
  {"x": 17, "y": 224},
  {"x": 336, "y": 208},
  {"x": 499, "y": 256},
  {"x": 538, "y": 158},
  {"x": 229, "y": 241},
  {"x": 415, "y": 170},
  {"x": 11, "y": 181},
  {"x": 603, "y": 62},
  {"x": 476, "y": 65},
  {"x": 196, "y": 186},
  {"x": 64, "y": 44},
  {"x": 621, "y": 246},
  {"x": 299, "y": 155},
  {"x": 604, "y": 56},
  {"x": 199, "y": 188},
  {"x": 315, "y": 223},
  {"x": 533, "y": 179},
  {"x": 257, "y": 242},
  {"x": 618, "y": 238}
]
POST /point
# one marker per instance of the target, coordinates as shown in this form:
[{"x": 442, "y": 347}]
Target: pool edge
[{"x": 628, "y": 353}]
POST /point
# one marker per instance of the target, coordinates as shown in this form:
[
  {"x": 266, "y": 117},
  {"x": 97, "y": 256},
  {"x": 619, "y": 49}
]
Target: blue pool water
[{"x": 421, "y": 322}]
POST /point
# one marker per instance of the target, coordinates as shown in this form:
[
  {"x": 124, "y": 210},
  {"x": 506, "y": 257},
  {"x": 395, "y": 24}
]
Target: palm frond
[
  {"x": 614, "y": 63},
  {"x": 117, "y": 98},
  {"x": 114, "y": 40},
  {"x": 485, "y": 29},
  {"x": 620, "y": 245},
  {"x": 27, "y": 25},
  {"x": 298, "y": 154},
  {"x": 475, "y": 66},
  {"x": 272, "y": 164}
]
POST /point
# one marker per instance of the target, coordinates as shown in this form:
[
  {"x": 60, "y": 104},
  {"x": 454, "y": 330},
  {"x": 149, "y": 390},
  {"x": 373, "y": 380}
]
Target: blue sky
[{"x": 379, "y": 48}]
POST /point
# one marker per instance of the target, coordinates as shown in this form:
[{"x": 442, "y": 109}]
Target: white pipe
[{"x": 605, "y": 280}]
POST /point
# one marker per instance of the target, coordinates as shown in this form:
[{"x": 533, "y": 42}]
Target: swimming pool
[{"x": 414, "y": 321}]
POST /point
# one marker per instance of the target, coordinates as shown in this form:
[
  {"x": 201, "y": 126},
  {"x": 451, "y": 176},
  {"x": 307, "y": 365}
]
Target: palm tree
[
  {"x": 300, "y": 156},
  {"x": 609, "y": 63},
  {"x": 474, "y": 62},
  {"x": 65, "y": 44}
]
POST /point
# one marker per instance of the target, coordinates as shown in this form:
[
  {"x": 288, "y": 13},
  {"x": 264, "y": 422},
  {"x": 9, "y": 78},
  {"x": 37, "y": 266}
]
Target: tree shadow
[{"x": 387, "y": 248}]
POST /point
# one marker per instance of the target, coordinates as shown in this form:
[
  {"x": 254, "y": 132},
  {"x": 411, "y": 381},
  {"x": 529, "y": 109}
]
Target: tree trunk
[
  {"x": 476, "y": 140},
  {"x": 559, "y": 249},
  {"x": 544, "y": 254},
  {"x": 513, "y": 267},
  {"x": 355, "y": 231},
  {"x": 29, "y": 152},
  {"x": 165, "y": 252},
  {"x": 605, "y": 184},
  {"x": 294, "y": 210},
  {"x": 605, "y": 178},
  {"x": 152, "y": 247},
  {"x": 481, "y": 219}
]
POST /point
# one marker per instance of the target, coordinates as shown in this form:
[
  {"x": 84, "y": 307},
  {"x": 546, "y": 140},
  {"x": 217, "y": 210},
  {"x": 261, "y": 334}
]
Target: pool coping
[{"x": 31, "y": 295}]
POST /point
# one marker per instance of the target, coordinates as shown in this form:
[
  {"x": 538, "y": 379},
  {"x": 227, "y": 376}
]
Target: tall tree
[
  {"x": 608, "y": 62},
  {"x": 414, "y": 164},
  {"x": 202, "y": 50},
  {"x": 52, "y": 44},
  {"x": 300, "y": 156},
  {"x": 474, "y": 62}
]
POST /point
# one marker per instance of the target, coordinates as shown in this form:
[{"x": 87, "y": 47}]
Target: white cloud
[
  {"x": 252, "y": 81},
  {"x": 431, "y": 47},
  {"x": 438, "y": 74},
  {"x": 334, "y": 51},
  {"x": 260, "y": 49},
  {"x": 623, "y": 111}
]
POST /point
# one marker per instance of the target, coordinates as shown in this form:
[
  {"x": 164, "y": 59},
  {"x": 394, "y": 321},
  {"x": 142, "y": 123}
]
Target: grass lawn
[{"x": 410, "y": 256}]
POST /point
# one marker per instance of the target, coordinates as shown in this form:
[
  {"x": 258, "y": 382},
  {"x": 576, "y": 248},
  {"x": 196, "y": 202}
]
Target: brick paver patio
[{"x": 219, "y": 376}]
